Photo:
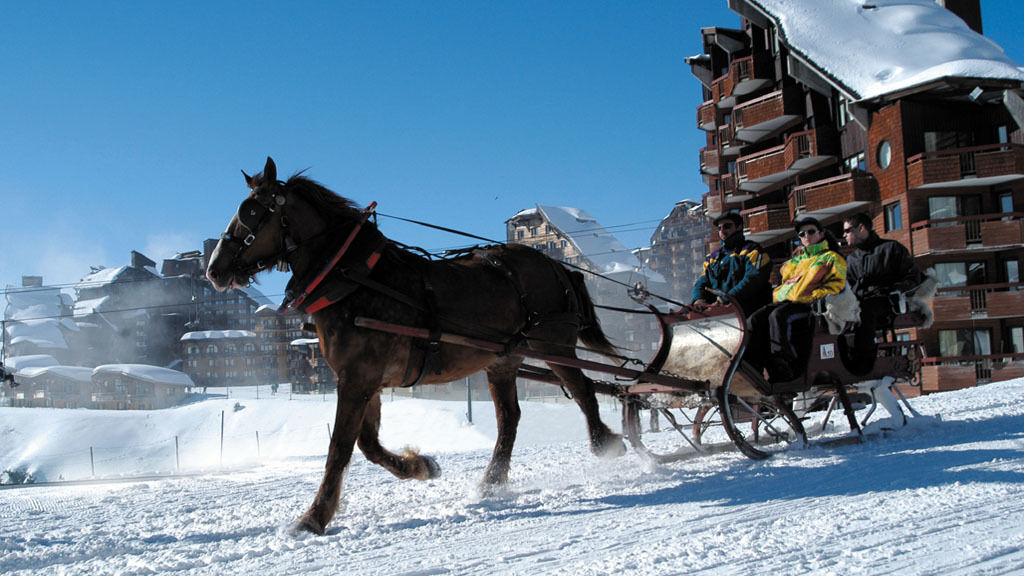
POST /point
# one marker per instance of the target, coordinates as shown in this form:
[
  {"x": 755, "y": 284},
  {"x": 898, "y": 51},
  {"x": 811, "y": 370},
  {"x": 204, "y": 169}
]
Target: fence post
[
  {"x": 222, "y": 438},
  {"x": 177, "y": 457},
  {"x": 92, "y": 462},
  {"x": 257, "y": 443}
]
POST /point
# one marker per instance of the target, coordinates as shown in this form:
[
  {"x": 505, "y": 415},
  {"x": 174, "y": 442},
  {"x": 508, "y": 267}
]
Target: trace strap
[{"x": 370, "y": 263}]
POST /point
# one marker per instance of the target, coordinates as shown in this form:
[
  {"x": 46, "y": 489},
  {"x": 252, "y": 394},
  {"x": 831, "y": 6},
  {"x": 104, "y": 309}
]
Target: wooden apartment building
[{"x": 902, "y": 110}]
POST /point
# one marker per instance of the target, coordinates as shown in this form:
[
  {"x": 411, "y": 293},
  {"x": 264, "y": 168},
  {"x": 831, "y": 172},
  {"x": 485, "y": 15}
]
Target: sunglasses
[
  {"x": 848, "y": 231},
  {"x": 806, "y": 233}
]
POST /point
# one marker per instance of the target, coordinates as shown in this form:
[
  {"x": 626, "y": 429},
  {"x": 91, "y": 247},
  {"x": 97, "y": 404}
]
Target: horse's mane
[{"x": 324, "y": 199}]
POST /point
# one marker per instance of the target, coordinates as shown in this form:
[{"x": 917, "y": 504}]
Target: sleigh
[{"x": 698, "y": 395}]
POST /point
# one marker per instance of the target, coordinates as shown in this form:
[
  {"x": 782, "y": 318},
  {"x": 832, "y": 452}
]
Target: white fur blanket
[{"x": 843, "y": 307}]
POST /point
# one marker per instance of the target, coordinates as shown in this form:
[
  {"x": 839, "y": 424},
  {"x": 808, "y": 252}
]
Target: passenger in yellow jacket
[{"x": 816, "y": 271}]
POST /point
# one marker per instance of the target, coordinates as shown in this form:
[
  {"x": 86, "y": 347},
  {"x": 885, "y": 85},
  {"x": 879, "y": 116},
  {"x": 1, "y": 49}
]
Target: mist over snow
[{"x": 943, "y": 496}]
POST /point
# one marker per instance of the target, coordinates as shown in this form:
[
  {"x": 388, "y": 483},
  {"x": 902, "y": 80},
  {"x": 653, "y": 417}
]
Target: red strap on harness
[{"x": 334, "y": 262}]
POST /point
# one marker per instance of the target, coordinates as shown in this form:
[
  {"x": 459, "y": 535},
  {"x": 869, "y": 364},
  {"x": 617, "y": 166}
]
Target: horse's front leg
[
  {"x": 409, "y": 464},
  {"x": 501, "y": 380},
  {"x": 348, "y": 418}
]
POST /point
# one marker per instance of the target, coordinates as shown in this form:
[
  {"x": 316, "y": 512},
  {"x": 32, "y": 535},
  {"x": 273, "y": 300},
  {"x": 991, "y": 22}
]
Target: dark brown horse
[{"x": 343, "y": 269}]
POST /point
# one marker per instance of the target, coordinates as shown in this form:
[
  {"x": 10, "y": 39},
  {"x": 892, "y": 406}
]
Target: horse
[{"x": 344, "y": 269}]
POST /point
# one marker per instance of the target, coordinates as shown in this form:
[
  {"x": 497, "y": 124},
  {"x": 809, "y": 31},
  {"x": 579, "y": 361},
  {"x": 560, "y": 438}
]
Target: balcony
[
  {"x": 951, "y": 234},
  {"x": 768, "y": 219},
  {"x": 767, "y": 116},
  {"x": 771, "y": 169},
  {"x": 706, "y": 116},
  {"x": 837, "y": 195},
  {"x": 727, "y": 142},
  {"x": 992, "y": 301},
  {"x": 747, "y": 76},
  {"x": 941, "y": 374},
  {"x": 710, "y": 161},
  {"x": 977, "y": 166}
]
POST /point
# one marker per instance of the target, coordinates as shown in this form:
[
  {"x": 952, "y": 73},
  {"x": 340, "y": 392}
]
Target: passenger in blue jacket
[{"x": 739, "y": 268}]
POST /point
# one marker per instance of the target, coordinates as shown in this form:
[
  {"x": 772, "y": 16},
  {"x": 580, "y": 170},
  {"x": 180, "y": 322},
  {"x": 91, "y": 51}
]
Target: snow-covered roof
[
  {"x": 90, "y": 306},
  {"x": 304, "y": 342},
  {"x": 42, "y": 332},
  {"x": 17, "y": 363},
  {"x": 101, "y": 277},
  {"x": 873, "y": 48},
  {"x": 217, "y": 334},
  {"x": 76, "y": 373},
  {"x": 598, "y": 245},
  {"x": 145, "y": 372}
]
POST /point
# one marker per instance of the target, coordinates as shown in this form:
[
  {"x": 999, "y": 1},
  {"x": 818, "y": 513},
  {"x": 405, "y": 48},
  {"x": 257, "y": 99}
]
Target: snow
[
  {"x": 76, "y": 373},
  {"x": 217, "y": 334},
  {"x": 940, "y": 497},
  {"x": 878, "y": 47},
  {"x": 16, "y": 363},
  {"x": 155, "y": 374},
  {"x": 599, "y": 246}
]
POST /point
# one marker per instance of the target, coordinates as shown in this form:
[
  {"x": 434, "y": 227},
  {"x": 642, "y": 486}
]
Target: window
[
  {"x": 1017, "y": 339},
  {"x": 884, "y": 154},
  {"x": 965, "y": 342},
  {"x": 960, "y": 273},
  {"x": 855, "y": 162},
  {"x": 1012, "y": 269},
  {"x": 893, "y": 217},
  {"x": 1006, "y": 202}
]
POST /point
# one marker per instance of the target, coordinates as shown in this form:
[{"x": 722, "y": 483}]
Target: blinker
[{"x": 251, "y": 214}]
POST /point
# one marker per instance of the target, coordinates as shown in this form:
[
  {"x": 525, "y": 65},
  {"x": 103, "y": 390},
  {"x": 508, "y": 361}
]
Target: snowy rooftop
[
  {"x": 18, "y": 363},
  {"x": 77, "y": 373},
  {"x": 591, "y": 239},
  {"x": 44, "y": 333},
  {"x": 217, "y": 334},
  {"x": 884, "y": 46},
  {"x": 148, "y": 373}
]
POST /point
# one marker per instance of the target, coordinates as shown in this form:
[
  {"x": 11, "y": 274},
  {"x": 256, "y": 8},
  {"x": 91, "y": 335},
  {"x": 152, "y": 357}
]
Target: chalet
[{"x": 138, "y": 387}]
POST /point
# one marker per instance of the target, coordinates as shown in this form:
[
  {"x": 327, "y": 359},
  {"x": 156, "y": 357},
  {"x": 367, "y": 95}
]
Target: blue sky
[{"x": 123, "y": 125}]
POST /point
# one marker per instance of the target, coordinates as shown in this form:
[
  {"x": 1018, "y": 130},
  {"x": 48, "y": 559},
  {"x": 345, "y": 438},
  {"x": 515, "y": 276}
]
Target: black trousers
[
  {"x": 875, "y": 313},
  {"x": 778, "y": 331}
]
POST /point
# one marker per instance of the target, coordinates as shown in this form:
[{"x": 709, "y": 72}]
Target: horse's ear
[
  {"x": 248, "y": 180},
  {"x": 270, "y": 171}
]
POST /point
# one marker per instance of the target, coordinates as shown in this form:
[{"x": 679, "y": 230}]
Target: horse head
[{"x": 255, "y": 238}]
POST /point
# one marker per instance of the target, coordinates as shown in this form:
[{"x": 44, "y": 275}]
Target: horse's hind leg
[
  {"x": 407, "y": 465},
  {"x": 501, "y": 379},
  {"x": 603, "y": 442}
]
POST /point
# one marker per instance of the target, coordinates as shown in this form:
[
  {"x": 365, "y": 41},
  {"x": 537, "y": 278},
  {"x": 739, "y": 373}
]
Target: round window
[{"x": 884, "y": 154}]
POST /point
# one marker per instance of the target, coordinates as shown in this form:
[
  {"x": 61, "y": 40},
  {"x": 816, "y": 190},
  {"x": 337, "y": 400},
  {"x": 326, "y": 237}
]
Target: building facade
[{"x": 924, "y": 138}]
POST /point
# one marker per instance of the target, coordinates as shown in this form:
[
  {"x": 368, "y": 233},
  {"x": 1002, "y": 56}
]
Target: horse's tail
[{"x": 590, "y": 332}]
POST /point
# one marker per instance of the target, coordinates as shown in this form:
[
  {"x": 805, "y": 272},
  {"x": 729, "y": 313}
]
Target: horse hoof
[
  {"x": 433, "y": 470},
  {"x": 613, "y": 448},
  {"x": 305, "y": 523}
]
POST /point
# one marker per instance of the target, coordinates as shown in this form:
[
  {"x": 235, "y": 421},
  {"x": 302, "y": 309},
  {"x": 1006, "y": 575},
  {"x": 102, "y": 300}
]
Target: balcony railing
[
  {"x": 834, "y": 191},
  {"x": 953, "y": 372},
  {"x": 988, "y": 230},
  {"x": 955, "y": 303},
  {"x": 706, "y": 116},
  {"x": 768, "y": 218},
  {"x": 960, "y": 163}
]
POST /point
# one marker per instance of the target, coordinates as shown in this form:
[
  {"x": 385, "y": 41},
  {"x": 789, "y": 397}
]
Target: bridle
[{"x": 253, "y": 215}]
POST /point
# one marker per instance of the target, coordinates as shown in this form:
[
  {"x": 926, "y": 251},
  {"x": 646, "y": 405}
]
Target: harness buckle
[{"x": 248, "y": 240}]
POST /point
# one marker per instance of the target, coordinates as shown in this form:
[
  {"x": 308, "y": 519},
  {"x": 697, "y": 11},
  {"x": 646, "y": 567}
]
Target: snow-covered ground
[{"x": 940, "y": 497}]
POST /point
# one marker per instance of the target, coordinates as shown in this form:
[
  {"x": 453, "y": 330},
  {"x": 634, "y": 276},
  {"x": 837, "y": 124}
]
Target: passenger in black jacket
[{"x": 874, "y": 270}]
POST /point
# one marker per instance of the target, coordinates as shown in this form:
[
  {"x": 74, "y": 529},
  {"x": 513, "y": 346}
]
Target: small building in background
[
  {"x": 138, "y": 387},
  {"x": 225, "y": 358}
]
